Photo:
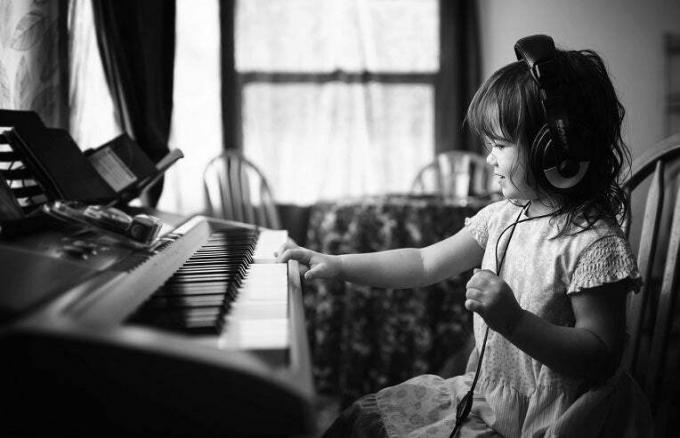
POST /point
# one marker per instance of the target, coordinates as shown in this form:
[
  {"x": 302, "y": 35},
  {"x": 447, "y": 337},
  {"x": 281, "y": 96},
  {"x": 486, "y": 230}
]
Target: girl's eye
[{"x": 497, "y": 145}]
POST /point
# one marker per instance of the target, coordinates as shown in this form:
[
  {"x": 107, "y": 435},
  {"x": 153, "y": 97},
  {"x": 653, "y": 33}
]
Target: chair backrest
[
  {"x": 654, "y": 175},
  {"x": 455, "y": 174},
  {"x": 236, "y": 189}
]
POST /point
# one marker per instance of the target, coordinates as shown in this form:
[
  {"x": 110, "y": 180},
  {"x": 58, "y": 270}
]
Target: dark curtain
[
  {"x": 459, "y": 74},
  {"x": 231, "y": 89},
  {"x": 137, "y": 45}
]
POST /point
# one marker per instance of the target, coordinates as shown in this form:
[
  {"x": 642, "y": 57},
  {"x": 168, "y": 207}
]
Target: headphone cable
[{"x": 465, "y": 405}]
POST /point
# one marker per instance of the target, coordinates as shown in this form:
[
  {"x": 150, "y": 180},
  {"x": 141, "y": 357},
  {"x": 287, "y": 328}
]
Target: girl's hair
[{"x": 508, "y": 107}]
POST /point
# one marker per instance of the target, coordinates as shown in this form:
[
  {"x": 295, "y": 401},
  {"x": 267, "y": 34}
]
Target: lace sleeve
[
  {"x": 478, "y": 225},
  {"x": 606, "y": 260}
]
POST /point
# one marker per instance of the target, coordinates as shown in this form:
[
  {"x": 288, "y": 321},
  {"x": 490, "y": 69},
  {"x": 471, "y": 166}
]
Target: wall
[{"x": 628, "y": 34}]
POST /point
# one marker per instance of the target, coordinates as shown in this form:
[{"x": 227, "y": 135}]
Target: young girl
[{"x": 555, "y": 271}]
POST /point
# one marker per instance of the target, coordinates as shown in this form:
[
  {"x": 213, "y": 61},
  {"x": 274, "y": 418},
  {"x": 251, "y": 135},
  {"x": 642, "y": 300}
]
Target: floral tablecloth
[{"x": 365, "y": 338}]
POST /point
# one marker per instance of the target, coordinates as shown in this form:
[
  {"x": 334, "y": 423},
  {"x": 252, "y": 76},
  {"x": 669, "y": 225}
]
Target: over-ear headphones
[{"x": 563, "y": 165}]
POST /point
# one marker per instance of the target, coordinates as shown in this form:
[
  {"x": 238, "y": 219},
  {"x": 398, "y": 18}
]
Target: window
[{"x": 337, "y": 96}]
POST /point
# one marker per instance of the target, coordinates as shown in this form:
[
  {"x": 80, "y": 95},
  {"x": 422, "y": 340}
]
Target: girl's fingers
[
  {"x": 280, "y": 251},
  {"x": 315, "y": 272},
  {"x": 288, "y": 244},
  {"x": 283, "y": 257},
  {"x": 473, "y": 294},
  {"x": 298, "y": 254},
  {"x": 478, "y": 279},
  {"x": 473, "y": 306}
]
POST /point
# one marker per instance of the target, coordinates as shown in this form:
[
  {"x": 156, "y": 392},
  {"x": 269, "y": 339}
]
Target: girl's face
[{"x": 510, "y": 170}]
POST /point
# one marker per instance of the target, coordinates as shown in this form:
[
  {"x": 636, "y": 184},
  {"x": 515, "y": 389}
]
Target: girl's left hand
[{"x": 491, "y": 297}]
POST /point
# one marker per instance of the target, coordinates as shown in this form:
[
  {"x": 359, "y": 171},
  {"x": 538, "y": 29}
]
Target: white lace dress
[{"x": 517, "y": 396}]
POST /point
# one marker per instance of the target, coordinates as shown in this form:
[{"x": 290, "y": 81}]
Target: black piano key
[
  {"x": 217, "y": 287},
  {"x": 232, "y": 250},
  {"x": 198, "y": 296},
  {"x": 224, "y": 257},
  {"x": 187, "y": 301},
  {"x": 232, "y": 271},
  {"x": 219, "y": 259},
  {"x": 208, "y": 265},
  {"x": 180, "y": 317},
  {"x": 191, "y": 327},
  {"x": 197, "y": 279},
  {"x": 202, "y": 268}
]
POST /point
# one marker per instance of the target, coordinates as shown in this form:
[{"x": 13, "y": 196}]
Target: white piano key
[
  {"x": 259, "y": 310},
  {"x": 260, "y": 293},
  {"x": 258, "y": 318},
  {"x": 255, "y": 334},
  {"x": 268, "y": 242}
]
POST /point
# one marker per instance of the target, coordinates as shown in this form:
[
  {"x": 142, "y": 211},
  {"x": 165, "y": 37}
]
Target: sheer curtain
[
  {"x": 196, "y": 121},
  {"x": 93, "y": 120},
  {"x": 338, "y": 96},
  {"x": 196, "y": 126}
]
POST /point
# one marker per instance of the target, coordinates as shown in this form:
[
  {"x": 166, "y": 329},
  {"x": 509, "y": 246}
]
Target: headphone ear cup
[
  {"x": 538, "y": 150},
  {"x": 568, "y": 168},
  {"x": 560, "y": 171},
  {"x": 562, "y": 182}
]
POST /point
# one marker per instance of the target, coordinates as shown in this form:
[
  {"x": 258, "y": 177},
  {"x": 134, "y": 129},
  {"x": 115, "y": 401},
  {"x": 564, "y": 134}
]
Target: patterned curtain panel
[{"x": 33, "y": 58}]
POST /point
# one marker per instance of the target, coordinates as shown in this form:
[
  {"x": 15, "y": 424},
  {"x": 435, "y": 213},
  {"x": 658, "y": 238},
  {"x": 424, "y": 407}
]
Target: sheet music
[{"x": 112, "y": 169}]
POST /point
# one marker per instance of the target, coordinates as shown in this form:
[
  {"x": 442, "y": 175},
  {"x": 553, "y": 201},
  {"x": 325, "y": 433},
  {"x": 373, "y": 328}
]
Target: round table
[{"x": 365, "y": 338}]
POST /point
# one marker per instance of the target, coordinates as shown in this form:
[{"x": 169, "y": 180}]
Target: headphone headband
[
  {"x": 562, "y": 164},
  {"x": 538, "y": 52}
]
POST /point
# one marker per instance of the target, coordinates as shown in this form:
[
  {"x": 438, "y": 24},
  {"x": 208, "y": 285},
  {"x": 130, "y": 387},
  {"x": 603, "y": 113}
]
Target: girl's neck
[{"x": 539, "y": 208}]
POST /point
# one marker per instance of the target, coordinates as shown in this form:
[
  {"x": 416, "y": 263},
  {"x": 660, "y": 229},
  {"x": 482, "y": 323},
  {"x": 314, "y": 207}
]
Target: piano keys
[{"x": 203, "y": 337}]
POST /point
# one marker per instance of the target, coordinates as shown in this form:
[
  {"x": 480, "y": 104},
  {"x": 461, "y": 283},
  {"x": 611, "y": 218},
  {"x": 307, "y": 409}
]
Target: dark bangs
[{"x": 507, "y": 107}]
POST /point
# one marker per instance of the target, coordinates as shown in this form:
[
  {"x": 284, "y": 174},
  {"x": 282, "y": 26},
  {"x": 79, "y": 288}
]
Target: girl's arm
[
  {"x": 399, "y": 268},
  {"x": 592, "y": 348}
]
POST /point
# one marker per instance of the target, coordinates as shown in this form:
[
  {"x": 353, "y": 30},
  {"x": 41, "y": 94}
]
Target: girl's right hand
[
  {"x": 489, "y": 296},
  {"x": 313, "y": 264}
]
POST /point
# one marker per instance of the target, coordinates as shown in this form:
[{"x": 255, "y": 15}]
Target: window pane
[
  {"x": 325, "y": 35},
  {"x": 404, "y": 35},
  {"x": 334, "y": 140}
]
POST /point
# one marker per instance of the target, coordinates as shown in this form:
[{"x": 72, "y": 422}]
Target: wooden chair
[
  {"x": 455, "y": 174},
  {"x": 653, "y": 351},
  {"x": 236, "y": 189}
]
